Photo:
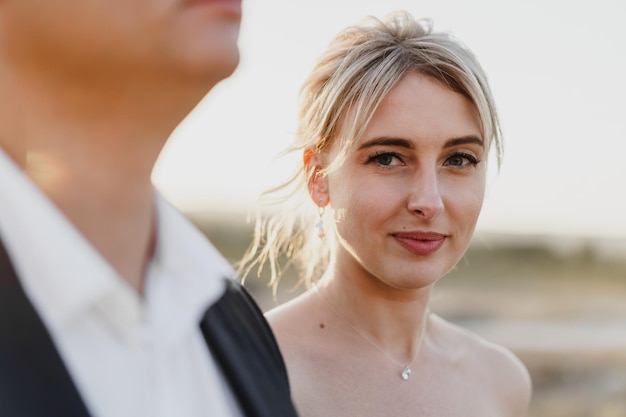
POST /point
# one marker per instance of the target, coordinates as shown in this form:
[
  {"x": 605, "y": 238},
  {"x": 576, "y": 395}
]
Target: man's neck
[{"x": 92, "y": 152}]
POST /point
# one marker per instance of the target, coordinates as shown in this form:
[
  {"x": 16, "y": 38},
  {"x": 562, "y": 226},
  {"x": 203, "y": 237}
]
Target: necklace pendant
[{"x": 406, "y": 373}]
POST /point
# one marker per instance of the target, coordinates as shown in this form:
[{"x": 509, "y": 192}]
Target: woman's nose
[{"x": 425, "y": 199}]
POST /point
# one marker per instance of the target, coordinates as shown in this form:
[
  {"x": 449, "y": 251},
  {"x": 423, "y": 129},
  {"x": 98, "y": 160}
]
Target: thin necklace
[{"x": 406, "y": 368}]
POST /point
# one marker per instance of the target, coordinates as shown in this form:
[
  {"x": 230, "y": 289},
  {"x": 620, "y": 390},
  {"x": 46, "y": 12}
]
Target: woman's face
[
  {"x": 190, "y": 38},
  {"x": 407, "y": 198}
]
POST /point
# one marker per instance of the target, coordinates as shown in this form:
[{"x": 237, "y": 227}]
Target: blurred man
[{"x": 111, "y": 303}]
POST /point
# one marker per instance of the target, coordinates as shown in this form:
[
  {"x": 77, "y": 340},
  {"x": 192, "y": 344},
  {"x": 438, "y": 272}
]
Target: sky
[{"x": 557, "y": 69}]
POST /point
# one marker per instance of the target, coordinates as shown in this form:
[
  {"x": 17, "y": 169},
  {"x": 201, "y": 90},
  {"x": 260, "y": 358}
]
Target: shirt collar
[
  {"x": 186, "y": 275},
  {"x": 59, "y": 269},
  {"x": 65, "y": 276}
]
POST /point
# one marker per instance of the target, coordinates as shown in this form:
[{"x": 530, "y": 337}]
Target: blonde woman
[{"x": 396, "y": 125}]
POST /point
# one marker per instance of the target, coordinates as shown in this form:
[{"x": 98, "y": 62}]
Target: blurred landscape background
[{"x": 558, "y": 303}]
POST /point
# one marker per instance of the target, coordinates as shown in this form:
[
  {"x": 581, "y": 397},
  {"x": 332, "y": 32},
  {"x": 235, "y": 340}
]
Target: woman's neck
[{"x": 393, "y": 320}]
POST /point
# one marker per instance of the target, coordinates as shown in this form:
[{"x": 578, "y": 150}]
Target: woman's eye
[
  {"x": 385, "y": 159},
  {"x": 462, "y": 160}
]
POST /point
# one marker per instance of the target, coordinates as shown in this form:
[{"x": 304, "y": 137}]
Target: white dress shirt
[{"x": 129, "y": 355}]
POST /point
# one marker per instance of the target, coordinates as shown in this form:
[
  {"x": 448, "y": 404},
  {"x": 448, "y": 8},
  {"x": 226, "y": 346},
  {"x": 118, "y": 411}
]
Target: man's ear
[{"x": 316, "y": 178}]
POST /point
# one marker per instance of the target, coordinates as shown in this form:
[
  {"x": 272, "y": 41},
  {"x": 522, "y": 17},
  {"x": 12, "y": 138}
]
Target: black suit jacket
[{"x": 34, "y": 382}]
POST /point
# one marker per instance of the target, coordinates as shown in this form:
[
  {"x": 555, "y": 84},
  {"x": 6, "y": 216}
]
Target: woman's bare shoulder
[
  {"x": 494, "y": 365},
  {"x": 291, "y": 319}
]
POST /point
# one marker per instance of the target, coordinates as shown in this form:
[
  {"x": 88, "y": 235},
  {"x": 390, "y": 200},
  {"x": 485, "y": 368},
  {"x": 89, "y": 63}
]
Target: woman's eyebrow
[
  {"x": 387, "y": 141},
  {"x": 465, "y": 140},
  {"x": 405, "y": 143}
]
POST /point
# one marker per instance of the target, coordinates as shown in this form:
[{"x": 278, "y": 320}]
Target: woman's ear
[{"x": 316, "y": 178}]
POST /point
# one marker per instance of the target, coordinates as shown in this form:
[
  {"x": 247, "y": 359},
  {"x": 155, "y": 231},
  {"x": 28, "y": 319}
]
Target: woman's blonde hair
[{"x": 350, "y": 79}]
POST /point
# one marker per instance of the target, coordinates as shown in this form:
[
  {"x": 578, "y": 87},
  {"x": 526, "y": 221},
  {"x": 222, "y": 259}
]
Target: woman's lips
[{"x": 420, "y": 243}]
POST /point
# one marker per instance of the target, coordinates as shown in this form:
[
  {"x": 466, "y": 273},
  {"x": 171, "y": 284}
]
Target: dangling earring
[{"x": 319, "y": 225}]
